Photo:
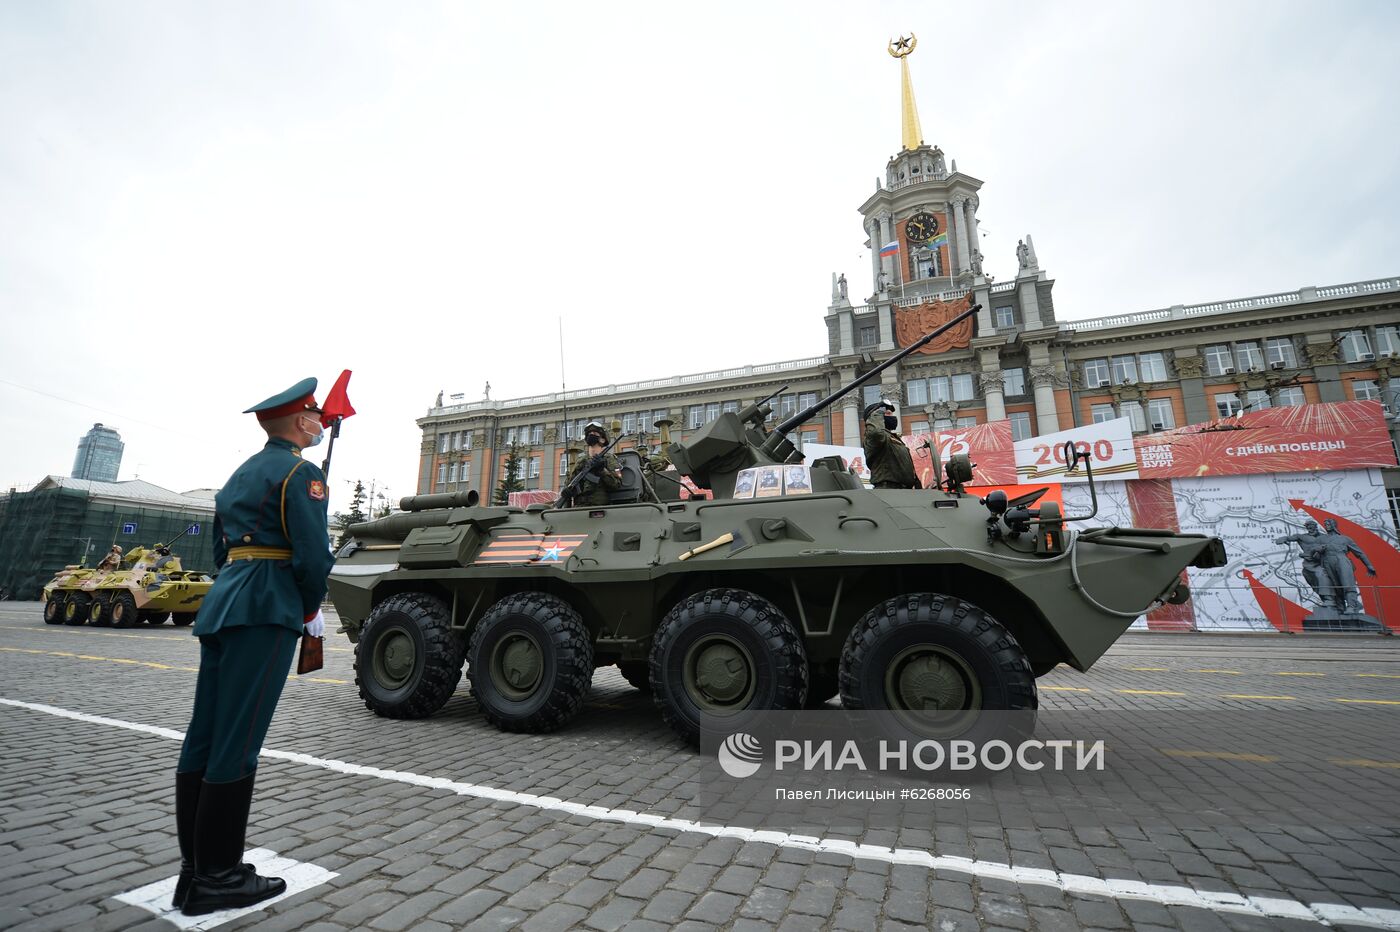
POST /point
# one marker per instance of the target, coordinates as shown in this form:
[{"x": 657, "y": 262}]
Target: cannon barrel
[
  {"x": 805, "y": 415},
  {"x": 396, "y": 527},
  {"x": 466, "y": 499}
]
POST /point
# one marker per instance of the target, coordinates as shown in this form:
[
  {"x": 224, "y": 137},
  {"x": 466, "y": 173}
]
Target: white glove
[{"x": 316, "y": 627}]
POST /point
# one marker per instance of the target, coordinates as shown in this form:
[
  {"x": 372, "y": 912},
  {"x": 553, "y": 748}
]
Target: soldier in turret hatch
[
  {"x": 113, "y": 559},
  {"x": 890, "y": 463},
  {"x": 603, "y": 473}
]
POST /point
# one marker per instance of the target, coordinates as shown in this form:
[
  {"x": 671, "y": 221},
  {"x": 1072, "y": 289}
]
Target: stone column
[
  {"x": 963, "y": 263},
  {"x": 850, "y": 421},
  {"x": 991, "y": 380},
  {"x": 872, "y": 228},
  {"x": 1323, "y": 359},
  {"x": 1047, "y": 419},
  {"x": 974, "y": 261},
  {"x": 1193, "y": 388},
  {"x": 885, "y": 318},
  {"x": 952, "y": 231}
]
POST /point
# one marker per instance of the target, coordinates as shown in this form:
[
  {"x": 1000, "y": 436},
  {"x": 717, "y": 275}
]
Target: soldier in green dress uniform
[
  {"x": 602, "y": 475},
  {"x": 887, "y": 457},
  {"x": 272, "y": 550}
]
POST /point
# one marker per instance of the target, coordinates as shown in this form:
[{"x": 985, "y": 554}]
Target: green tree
[
  {"x": 510, "y": 475},
  {"x": 341, "y": 520}
]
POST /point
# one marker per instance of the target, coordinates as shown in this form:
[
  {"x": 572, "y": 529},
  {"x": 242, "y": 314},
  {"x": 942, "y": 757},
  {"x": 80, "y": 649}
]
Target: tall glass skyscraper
[{"x": 99, "y": 455}]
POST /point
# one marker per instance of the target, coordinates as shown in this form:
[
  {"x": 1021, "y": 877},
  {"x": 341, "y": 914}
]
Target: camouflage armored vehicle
[
  {"x": 65, "y": 600},
  {"x": 150, "y": 587},
  {"x": 903, "y": 600}
]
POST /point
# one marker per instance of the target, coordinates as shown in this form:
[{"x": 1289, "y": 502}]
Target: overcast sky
[{"x": 202, "y": 203}]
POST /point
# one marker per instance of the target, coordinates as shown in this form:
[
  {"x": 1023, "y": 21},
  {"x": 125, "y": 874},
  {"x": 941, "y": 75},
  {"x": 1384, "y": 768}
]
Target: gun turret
[{"x": 716, "y": 453}]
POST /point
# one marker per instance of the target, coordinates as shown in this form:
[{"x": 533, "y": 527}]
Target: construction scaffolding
[{"x": 44, "y": 530}]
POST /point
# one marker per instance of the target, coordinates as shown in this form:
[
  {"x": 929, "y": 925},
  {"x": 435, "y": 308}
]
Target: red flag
[{"x": 337, "y": 405}]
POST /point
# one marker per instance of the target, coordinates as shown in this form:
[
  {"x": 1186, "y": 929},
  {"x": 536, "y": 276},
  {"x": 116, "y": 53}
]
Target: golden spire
[{"x": 909, "y": 124}]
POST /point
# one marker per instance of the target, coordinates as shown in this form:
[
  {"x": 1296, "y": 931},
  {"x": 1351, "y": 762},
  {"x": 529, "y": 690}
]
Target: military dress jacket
[
  {"x": 270, "y": 542},
  {"x": 887, "y": 456}
]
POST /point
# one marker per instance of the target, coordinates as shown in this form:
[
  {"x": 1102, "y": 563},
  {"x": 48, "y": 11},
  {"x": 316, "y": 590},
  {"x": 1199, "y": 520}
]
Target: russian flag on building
[{"x": 889, "y": 249}]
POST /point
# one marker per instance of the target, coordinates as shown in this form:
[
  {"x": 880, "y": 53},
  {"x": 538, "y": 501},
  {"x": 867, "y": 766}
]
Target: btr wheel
[
  {"x": 180, "y": 619},
  {"x": 636, "y": 674},
  {"x": 100, "y": 612},
  {"x": 531, "y": 663},
  {"x": 123, "y": 612},
  {"x": 724, "y": 652},
  {"x": 53, "y": 609},
  {"x": 938, "y": 664},
  {"x": 75, "y": 608},
  {"x": 409, "y": 660}
]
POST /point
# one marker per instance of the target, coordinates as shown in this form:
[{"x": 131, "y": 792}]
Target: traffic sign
[{"x": 129, "y": 527}]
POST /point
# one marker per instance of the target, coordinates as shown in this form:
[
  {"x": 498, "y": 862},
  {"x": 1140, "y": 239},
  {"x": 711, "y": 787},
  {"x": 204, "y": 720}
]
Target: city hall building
[{"x": 1162, "y": 368}]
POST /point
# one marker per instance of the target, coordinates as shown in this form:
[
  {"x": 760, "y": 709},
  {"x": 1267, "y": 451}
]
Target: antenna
[{"x": 563, "y": 389}]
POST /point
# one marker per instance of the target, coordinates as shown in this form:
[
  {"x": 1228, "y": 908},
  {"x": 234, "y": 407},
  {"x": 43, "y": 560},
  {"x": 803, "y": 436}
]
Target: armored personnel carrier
[
  {"x": 65, "y": 600},
  {"x": 787, "y": 588},
  {"x": 150, "y": 587}
]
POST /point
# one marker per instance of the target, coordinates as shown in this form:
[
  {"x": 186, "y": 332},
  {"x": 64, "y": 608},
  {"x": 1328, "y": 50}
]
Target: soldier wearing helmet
[
  {"x": 113, "y": 559},
  {"x": 602, "y": 472},
  {"x": 888, "y": 458}
]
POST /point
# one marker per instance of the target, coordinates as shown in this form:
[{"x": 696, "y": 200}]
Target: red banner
[
  {"x": 1299, "y": 438},
  {"x": 988, "y": 445}
]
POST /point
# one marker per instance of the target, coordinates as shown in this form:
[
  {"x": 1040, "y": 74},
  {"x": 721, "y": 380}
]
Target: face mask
[
  {"x": 891, "y": 422},
  {"x": 595, "y": 441},
  {"x": 318, "y": 437}
]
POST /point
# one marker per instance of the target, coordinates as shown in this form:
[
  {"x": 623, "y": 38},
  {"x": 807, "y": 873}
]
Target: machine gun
[
  {"x": 566, "y": 497},
  {"x": 714, "y": 455}
]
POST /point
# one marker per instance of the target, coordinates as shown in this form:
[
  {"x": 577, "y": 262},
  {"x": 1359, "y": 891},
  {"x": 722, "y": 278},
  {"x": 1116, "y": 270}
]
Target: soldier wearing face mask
[
  {"x": 603, "y": 472},
  {"x": 271, "y": 546},
  {"x": 889, "y": 460}
]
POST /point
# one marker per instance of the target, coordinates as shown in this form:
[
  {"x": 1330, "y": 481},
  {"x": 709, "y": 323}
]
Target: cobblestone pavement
[{"x": 446, "y": 823}]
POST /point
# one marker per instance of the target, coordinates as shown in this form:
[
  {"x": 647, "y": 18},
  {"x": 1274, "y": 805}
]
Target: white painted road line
[
  {"x": 1165, "y": 894},
  {"x": 300, "y": 876}
]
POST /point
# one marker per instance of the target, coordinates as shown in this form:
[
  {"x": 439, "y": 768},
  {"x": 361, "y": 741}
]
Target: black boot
[
  {"x": 186, "y": 806},
  {"x": 220, "y": 881}
]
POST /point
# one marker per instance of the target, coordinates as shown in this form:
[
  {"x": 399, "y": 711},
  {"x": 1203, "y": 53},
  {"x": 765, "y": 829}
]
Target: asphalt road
[{"x": 1253, "y": 785}]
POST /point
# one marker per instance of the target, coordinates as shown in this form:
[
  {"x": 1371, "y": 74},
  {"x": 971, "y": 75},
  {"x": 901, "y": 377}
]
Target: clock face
[{"x": 921, "y": 227}]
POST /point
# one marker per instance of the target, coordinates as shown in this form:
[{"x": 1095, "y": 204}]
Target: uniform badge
[{"x": 316, "y": 489}]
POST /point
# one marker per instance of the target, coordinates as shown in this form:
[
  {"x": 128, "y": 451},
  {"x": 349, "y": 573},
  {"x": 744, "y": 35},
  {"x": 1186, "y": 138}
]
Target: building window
[
  {"x": 1257, "y": 401},
  {"x": 943, "y": 423},
  {"x": 787, "y": 405},
  {"x": 729, "y": 407},
  {"x": 869, "y": 394},
  {"x": 918, "y": 427},
  {"x": 1356, "y": 346},
  {"x": 444, "y": 443},
  {"x": 1291, "y": 397},
  {"x": 1279, "y": 352},
  {"x": 805, "y": 400},
  {"x": 451, "y": 472},
  {"x": 537, "y": 434},
  {"x": 916, "y": 390},
  {"x": 1101, "y": 413},
  {"x": 456, "y": 440},
  {"x": 1005, "y": 317},
  {"x": 1095, "y": 373},
  {"x": 966, "y": 422},
  {"x": 1218, "y": 359},
  {"x": 964, "y": 388},
  {"x": 867, "y": 336},
  {"x": 808, "y": 436},
  {"x": 1388, "y": 341},
  {"x": 563, "y": 468},
  {"x": 1160, "y": 415},
  {"x": 645, "y": 421},
  {"x": 1021, "y": 425},
  {"x": 711, "y": 411},
  {"x": 442, "y": 474},
  {"x": 466, "y": 471},
  {"x": 534, "y": 468},
  {"x": 1365, "y": 390},
  {"x": 1013, "y": 381},
  {"x": 1248, "y": 356},
  {"x": 1124, "y": 369},
  {"x": 1133, "y": 411},
  {"x": 694, "y": 416},
  {"x": 1227, "y": 404},
  {"x": 629, "y": 423},
  {"x": 1152, "y": 367},
  {"x": 510, "y": 436}
]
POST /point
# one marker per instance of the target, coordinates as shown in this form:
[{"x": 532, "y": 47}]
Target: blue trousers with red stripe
[{"x": 241, "y": 674}]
